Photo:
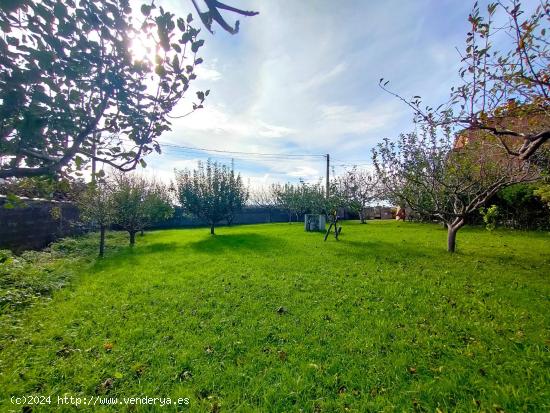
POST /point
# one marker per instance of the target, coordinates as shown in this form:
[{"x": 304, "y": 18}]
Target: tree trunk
[
  {"x": 132, "y": 238},
  {"x": 101, "y": 240},
  {"x": 212, "y": 229},
  {"x": 452, "y": 229},
  {"x": 142, "y": 233},
  {"x": 362, "y": 217}
]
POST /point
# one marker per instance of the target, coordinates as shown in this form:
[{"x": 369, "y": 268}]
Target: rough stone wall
[
  {"x": 248, "y": 215},
  {"x": 36, "y": 223},
  {"x": 33, "y": 224}
]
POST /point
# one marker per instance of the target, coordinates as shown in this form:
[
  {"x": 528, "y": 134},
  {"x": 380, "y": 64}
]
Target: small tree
[
  {"x": 211, "y": 192},
  {"x": 300, "y": 199},
  {"x": 157, "y": 204},
  {"x": 359, "y": 188},
  {"x": 237, "y": 197},
  {"x": 138, "y": 202},
  {"x": 285, "y": 196},
  {"x": 96, "y": 207},
  {"x": 437, "y": 179},
  {"x": 504, "y": 90},
  {"x": 265, "y": 198}
]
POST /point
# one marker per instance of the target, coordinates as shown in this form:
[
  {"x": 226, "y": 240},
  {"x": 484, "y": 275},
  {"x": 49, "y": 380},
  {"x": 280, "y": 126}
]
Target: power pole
[
  {"x": 328, "y": 177},
  {"x": 93, "y": 159}
]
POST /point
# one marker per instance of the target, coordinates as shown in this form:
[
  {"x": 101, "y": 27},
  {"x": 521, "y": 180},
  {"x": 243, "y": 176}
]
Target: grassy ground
[{"x": 270, "y": 318}]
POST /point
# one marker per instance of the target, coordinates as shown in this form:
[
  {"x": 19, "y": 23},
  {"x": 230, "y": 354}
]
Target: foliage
[
  {"x": 72, "y": 90},
  {"x": 33, "y": 276},
  {"x": 520, "y": 207},
  {"x": 359, "y": 188},
  {"x": 464, "y": 322},
  {"x": 286, "y": 197},
  {"x": 490, "y": 216},
  {"x": 309, "y": 198},
  {"x": 441, "y": 180},
  {"x": 96, "y": 207},
  {"x": 505, "y": 85},
  {"x": 138, "y": 202},
  {"x": 543, "y": 192},
  {"x": 265, "y": 198},
  {"x": 211, "y": 192},
  {"x": 13, "y": 201},
  {"x": 237, "y": 196},
  {"x": 45, "y": 187},
  {"x": 96, "y": 204}
]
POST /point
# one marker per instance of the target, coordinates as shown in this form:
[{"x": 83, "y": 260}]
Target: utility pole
[
  {"x": 328, "y": 177},
  {"x": 93, "y": 159}
]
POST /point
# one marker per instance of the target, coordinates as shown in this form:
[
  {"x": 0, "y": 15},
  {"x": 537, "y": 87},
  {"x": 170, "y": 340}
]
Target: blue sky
[{"x": 302, "y": 77}]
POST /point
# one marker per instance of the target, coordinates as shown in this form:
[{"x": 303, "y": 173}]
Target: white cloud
[
  {"x": 303, "y": 79},
  {"x": 321, "y": 78},
  {"x": 305, "y": 172},
  {"x": 208, "y": 73}
]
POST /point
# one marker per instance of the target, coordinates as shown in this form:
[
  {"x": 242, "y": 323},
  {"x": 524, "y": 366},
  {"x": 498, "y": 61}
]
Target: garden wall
[
  {"x": 34, "y": 223},
  {"x": 248, "y": 215}
]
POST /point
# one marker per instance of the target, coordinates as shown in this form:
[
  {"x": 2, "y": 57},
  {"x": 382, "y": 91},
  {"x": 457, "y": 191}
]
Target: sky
[{"x": 302, "y": 78}]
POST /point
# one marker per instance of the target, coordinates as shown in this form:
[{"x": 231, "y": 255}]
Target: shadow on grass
[
  {"x": 397, "y": 250},
  {"x": 134, "y": 255},
  {"x": 408, "y": 252},
  {"x": 236, "y": 242}
]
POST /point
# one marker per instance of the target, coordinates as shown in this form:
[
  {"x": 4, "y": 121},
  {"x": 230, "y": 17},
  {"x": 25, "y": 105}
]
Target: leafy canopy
[
  {"x": 212, "y": 192},
  {"x": 71, "y": 89}
]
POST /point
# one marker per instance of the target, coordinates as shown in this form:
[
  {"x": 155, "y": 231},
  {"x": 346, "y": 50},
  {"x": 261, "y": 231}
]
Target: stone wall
[
  {"x": 249, "y": 215},
  {"x": 33, "y": 224}
]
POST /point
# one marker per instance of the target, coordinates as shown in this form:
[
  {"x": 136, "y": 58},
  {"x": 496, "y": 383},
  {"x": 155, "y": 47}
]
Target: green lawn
[{"x": 270, "y": 318}]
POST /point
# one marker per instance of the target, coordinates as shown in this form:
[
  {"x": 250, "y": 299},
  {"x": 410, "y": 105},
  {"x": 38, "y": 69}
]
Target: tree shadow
[
  {"x": 401, "y": 250},
  {"x": 236, "y": 242},
  {"x": 133, "y": 255}
]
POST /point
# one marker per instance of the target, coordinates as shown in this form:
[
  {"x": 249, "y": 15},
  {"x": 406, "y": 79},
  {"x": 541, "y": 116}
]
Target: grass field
[{"x": 270, "y": 318}]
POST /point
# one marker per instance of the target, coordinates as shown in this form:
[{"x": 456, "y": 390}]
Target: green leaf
[
  {"x": 176, "y": 63},
  {"x": 189, "y": 18},
  {"x": 146, "y": 10},
  {"x": 181, "y": 24},
  {"x": 60, "y": 11},
  {"x": 12, "y": 41},
  {"x": 196, "y": 45},
  {"x": 78, "y": 162},
  {"x": 159, "y": 70}
]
